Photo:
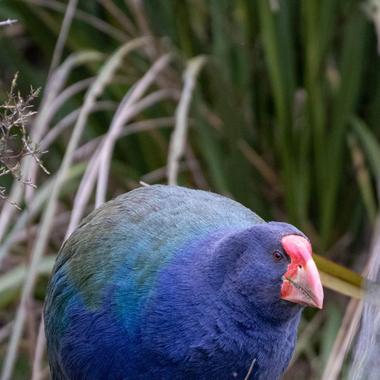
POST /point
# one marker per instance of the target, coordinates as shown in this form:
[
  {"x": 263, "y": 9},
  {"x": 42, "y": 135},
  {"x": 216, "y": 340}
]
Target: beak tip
[
  {"x": 318, "y": 305},
  {"x": 302, "y": 283},
  {"x": 319, "y": 298}
]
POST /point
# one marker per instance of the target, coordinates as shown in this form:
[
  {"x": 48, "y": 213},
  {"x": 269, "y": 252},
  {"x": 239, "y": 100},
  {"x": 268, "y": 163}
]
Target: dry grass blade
[
  {"x": 8, "y": 22},
  {"x": 105, "y": 155},
  {"x": 343, "y": 340},
  {"x": 178, "y": 138},
  {"x": 30, "y": 231},
  {"x": 366, "y": 354},
  {"x": 54, "y": 88},
  {"x": 338, "y": 278},
  {"x": 306, "y": 335},
  {"x": 372, "y": 9},
  {"x": 31, "y": 211},
  {"x": 87, "y": 183},
  {"x": 66, "y": 95},
  {"x": 5, "y": 331},
  {"x": 161, "y": 173},
  {"x": 351, "y": 322},
  {"x": 69, "y": 120},
  {"x": 82, "y": 196},
  {"x": 103, "y": 152},
  {"x": 259, "y": 163},
  {"x": 89, "y": 147},
  {"x": 195, "y": 169},
  {"x": 54, "y": 97},
  {"x": 39, "y": 352},
  {"x": 13, "y": 279},
  {"x": 40, "y": 125},
  {"x": 121, "y": 117},
  {"x": 120, "y": 16},
  {"x": 104, "y": 77},
  {"x": 341, "y": 286},
  {"x": 64, "y": 31},
  {"x": 23, "y": 219},
  {"x": 95, "y": 22},
  {"x": 138, "y": 9}
]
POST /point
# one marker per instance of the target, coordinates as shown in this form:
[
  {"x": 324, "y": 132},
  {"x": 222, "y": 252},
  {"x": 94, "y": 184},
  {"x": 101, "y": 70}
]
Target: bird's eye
[{"x": 277, "y": 256}]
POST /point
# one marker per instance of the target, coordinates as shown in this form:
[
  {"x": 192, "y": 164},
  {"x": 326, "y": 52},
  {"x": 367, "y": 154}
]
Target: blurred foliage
[{"x": 285, "y": 116}]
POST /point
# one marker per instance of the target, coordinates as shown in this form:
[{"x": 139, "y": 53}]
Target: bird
[{"x": 167, "y": 282}]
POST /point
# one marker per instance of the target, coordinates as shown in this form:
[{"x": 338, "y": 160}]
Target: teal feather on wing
[{"x": 111, "y": 238}]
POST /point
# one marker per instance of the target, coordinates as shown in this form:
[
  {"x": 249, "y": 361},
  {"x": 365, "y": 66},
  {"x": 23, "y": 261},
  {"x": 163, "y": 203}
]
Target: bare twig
[{"x": 15, "y": 143}]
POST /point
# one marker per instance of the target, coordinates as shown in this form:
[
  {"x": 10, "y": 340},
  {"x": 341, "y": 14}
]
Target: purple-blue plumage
[{"x": 171, "y": 283}]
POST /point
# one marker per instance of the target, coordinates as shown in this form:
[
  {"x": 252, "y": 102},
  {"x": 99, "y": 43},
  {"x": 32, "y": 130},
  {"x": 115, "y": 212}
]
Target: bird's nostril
[{"x": 299, "y": 266}]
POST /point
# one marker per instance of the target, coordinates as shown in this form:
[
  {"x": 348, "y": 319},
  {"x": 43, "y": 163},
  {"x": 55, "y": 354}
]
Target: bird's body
[{"x": 163, "y": 283}]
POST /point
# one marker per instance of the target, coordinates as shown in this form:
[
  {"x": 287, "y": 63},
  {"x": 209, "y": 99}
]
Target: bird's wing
[{"x": 138, "y": 232}]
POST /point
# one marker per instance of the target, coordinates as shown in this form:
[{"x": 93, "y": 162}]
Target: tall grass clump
[{"x": 273, "y": 103}]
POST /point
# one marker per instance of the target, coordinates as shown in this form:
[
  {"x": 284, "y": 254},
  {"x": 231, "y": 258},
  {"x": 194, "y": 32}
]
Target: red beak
[{"x": 301, "y": 282}]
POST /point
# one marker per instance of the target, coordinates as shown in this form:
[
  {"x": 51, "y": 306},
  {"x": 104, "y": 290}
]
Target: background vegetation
[{"x": 284, "y": 118}]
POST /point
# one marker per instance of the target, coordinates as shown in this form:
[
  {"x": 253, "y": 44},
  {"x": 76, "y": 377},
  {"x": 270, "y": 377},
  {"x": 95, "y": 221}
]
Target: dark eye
[{"x": 277, "y": 256}]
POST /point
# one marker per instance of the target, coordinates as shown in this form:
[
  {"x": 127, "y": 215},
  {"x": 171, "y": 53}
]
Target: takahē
[{"x": 170, "y": 283}]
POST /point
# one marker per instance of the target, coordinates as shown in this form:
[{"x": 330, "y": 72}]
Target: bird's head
[{"x": 274, "y": 269}]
